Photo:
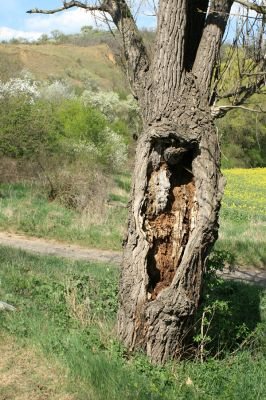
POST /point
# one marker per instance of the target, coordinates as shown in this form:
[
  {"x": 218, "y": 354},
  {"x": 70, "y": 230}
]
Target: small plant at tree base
[
  {"x": 204, "y": 338},
  {"x": 228, "y": 314}
]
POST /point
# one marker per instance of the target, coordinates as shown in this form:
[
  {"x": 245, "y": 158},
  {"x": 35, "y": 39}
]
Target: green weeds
[
  {"x": 26, "y": 209},
  {"x": 68, "y": 310}
]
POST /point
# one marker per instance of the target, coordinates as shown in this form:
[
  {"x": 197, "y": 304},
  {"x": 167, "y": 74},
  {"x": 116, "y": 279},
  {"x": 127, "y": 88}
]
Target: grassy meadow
[
  {"x": 24, "y": 208},
  {"x": 243, "y": 216},
  {"x": 65, "y": 318}
]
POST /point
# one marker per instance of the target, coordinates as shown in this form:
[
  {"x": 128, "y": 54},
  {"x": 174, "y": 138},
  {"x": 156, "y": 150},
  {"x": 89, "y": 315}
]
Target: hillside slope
[{"x": 74, "y": 64}]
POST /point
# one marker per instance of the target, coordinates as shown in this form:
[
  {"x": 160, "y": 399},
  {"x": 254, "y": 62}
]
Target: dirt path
[
  {"x": 75, "y": 252},
  {"x": 54, "y": 248}
]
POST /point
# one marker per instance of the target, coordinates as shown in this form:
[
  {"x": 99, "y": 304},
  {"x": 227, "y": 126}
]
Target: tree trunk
[{"x": 173, "y": 222}]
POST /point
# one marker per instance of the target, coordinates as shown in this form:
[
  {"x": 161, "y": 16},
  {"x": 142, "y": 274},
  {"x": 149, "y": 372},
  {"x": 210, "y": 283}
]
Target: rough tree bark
[
  {"x": 177, "y": 184},
  {"x": 177, "y": 189},
  {"x": 173, "y": 222}
]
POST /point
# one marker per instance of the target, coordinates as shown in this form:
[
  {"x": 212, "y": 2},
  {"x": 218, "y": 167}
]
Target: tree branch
[
  {"x": 254, "y": 73},
  {"x": 244, "y": 90},
  {"x": 252, "y": 6},
  {"x": 229, "y": 107},
  {"x": 240, "y": 96},
  {"x": 210, "y": 43},
  {"x": 66, "y": 6},
  {"x": 220, "y": 111},
  {"x": 135, "y": 52}
]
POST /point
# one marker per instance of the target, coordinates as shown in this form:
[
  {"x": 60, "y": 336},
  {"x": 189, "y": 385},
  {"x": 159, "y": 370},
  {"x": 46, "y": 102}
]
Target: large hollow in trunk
[{"x": 173, "y": 223}]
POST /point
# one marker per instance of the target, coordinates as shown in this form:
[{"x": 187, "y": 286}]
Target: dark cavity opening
[{"x": 168, "y": 227}]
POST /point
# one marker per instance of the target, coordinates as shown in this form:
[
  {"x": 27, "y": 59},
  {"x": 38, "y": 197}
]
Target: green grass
[
  {"x": 123, "y": 182},
  {"x": 67, "y": 310},
  {"x": 26, "y": 209}
]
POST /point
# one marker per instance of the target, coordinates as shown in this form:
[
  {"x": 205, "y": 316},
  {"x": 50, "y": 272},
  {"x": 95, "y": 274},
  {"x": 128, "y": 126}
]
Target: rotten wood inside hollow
[{"x": 170, "y": 213}]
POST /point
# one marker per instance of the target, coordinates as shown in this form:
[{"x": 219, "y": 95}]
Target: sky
[{"x": 14, "y": 22}]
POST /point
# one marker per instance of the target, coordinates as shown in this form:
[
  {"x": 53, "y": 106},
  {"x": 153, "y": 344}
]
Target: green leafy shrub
[
  {"x": 70, "y": 145},
  {"x": 88, "y": 134},
  {"x": 82, "y": 123},
  {"x": 28, "y": 129}
]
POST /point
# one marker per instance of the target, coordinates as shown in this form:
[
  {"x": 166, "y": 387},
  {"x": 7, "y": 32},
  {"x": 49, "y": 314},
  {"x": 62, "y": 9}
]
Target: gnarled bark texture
[
  {"x": 177, "y": 188},
  {"x": 173, "y": 222}
]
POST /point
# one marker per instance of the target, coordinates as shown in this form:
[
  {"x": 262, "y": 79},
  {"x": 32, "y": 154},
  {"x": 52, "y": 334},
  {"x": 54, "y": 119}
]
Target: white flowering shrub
[
  {"x": 115, "y": 149},
  {"x": 131, "y": 104},
  {"x": 107, "y": 102},
  {"x": 26, "y": 74},
  {"x": 111, "y": 151},
  {"x": 49, "y": 118},
  {"x": 116, "y": 110},
  {"x": 56, "y": 92},
  {"x": 85, "y": 147},
  {"x": 16, "y": 87}
]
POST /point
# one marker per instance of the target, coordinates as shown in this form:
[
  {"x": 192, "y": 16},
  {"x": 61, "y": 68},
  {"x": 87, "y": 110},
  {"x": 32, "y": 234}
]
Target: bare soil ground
[
  {"x": 54, "y": 248},
  {"x": 74, "y": 252}
]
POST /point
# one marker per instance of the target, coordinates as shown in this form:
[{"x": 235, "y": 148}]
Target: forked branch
[
  {"x": 66, "y": 6},
  {"x": 210, "y": 43},
  {"x": 208, "y": 50}
]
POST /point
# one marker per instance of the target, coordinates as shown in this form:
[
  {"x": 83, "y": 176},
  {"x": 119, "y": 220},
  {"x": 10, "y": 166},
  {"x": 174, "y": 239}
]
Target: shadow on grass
[{"x": 232, "y": 313}]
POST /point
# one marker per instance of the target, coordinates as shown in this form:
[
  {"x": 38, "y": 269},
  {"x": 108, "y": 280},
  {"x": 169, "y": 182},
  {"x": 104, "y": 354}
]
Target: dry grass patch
[
  {"x": 73, "y": 63},
  {"x": 27, "y": 375}
]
